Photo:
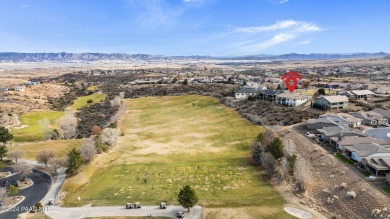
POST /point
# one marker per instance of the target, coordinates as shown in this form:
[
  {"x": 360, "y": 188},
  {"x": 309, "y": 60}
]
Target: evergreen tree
[
  {"x": 321, "y": 91},
  {"x": 12, "y": 190},
  {"x": 5, "y": 135},
  {"x": 187, "y": 197},
  {"x": 276, "y": 148},
  {"x": 257, "y": 152},
  {"x": 75, "y": 161}
]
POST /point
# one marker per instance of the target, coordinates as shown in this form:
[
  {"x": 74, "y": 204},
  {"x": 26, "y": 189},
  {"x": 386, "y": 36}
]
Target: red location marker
[{"x": 291, "y": 80}]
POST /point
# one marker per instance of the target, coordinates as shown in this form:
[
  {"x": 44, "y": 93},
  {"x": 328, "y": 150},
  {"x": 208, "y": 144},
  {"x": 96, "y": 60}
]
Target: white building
[
  {"x": 291, "y": 99},
  {"x": 244, "y": 92}
]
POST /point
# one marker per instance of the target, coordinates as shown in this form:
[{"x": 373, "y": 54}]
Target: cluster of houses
[
  {"x": 367, "y": 148},
  {"x": 277, "y": 96},
  {"x": 292, "y": 99},
  {"x": 18, "y": 87}
]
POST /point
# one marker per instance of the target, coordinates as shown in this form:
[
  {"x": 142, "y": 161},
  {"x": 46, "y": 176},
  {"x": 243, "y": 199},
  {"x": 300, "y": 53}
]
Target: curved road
[{"x": 33, "y": 194}]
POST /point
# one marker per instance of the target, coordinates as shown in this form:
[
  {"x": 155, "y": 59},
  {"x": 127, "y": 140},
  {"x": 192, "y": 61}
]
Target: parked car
[
  {"x": 129, "y": 205},
  {"x": 180, "y": 214},
  {"x": 163, "y": 205},
  {"x": 137, "y": 205}
]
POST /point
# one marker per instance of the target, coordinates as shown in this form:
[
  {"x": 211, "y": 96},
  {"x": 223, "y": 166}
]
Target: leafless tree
[
  {"x": 3, "y": 195},
  {"x": 45, "y": 125},
  {"x": 110, "y": 136},
  {"x": 122, "y": 95},
  {"x": 117, "y": 101},
  {"x": 302, "y": 173},
  {"x": 96, "y": 130},
  {"x": 56, "y": 163},
  {"x": 268, "y": 163},
  {"x": 88, "y": 150},
  {"x": 24, "y": 169},
  {"x": 44, "y": 157},
  {"x": 305, "y": 84},
  {"x": 15, "y": 155},
  {"x": 122, "y": 110},
  {"x": 67, "y": 125}
]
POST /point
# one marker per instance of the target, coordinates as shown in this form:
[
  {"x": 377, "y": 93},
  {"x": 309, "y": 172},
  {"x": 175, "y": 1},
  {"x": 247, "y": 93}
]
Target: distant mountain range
[{"x": 67, "y": 57}]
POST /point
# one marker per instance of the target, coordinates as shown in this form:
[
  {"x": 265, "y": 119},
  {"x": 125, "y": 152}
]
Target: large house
[
  {"x": 17, "y": 88},
  {"x": 291, "y": 99},
  {"x": 344, "y": 118},
  {"x": 383, "y": 90},
  {"x": 331, "y": 102},
  {"x": 334, "y": 134},
  {"x": 372, "y": 156},
  {"x": 370, "y": 118},
  {"x": 269, "y": 95},
  {"x": 361, "y": 94},
  {"x": 383, "y": 112},
  {"x": 351, "y": 140},
  {"x": 322, "y": 122},
  {"x": 244, "y": 92},
  {"x": 3, "y": 89}
]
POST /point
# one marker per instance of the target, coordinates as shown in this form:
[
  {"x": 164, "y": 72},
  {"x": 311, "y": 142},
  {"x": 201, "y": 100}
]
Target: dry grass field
[
  {"x": 174, "y": 141},
  {"x": 60, "y": 147}
]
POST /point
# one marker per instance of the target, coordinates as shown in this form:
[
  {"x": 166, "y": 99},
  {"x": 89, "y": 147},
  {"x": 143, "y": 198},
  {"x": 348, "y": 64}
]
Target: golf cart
[
  {"x": 137, "y": 205},
  {"x": 180, "y": 214},
  {"x": 163, "y": 205},
  {"x": 129, "y": 205}
]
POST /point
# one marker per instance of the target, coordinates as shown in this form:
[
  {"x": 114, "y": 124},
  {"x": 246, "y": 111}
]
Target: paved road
[
  {"x": 85, "y": 212},
  {"x": 32, "y": 194},
  {"x": 56, "y": 186}
]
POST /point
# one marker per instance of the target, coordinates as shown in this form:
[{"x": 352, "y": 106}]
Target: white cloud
[
  {"x": 304, "y": 42},
  {"x": 190, "y": 0},
  {"x": 277, "y": 33},
  {"x": 277, "y": 26},
  {"x": 276, "y": 39},
  {"x": 283, "y": 1},
  {"x": 298, "y": 26}
]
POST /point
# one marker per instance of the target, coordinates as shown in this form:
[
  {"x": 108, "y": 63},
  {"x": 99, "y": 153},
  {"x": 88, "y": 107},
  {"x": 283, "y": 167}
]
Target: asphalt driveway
[{"x": 33, "y": 194}]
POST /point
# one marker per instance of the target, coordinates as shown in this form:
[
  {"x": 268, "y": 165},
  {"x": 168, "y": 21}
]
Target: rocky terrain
[{"x": 335, "y": 190}]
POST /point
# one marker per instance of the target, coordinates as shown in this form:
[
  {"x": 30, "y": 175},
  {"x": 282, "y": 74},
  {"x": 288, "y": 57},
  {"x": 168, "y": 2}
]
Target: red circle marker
[{"x": 291, "y": 77}]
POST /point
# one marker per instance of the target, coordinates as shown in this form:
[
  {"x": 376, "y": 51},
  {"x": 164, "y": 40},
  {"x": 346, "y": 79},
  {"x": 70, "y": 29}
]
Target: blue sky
[{"x": 195, "y": 27}]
